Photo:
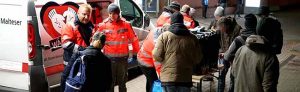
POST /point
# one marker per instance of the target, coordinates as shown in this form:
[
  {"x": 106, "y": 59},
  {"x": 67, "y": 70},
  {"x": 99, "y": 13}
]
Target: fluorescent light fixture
[{"x": 252, "y": 3}]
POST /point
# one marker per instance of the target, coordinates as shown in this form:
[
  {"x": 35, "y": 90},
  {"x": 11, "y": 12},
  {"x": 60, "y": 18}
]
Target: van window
[{"x": 131, "y": 13}]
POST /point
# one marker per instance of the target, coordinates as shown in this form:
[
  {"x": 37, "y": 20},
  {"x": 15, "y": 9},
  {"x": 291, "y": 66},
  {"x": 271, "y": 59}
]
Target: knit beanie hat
[
  {"x": 263, "y": 10},
  {"x": 113, "y": 8},
  {"x": 176, "y": 18},
  {"x": 219, "y": 11},
  {"x": 250, "y": 21},
  {"x": 174, "y": 5}
]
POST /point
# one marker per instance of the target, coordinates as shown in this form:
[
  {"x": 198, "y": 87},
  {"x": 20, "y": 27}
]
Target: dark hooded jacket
[
  {"x": 255, "y": 62},
  {"x": 98, "y": 70},
  {"x": 178, "y": 50}
]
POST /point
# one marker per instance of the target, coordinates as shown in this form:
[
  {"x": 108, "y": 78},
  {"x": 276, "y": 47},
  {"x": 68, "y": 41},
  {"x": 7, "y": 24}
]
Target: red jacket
[
  {"x": 119, "y": 35},
  {"x": 165, "y": 17},
  {"x": 72, "y": 40},
  {"x": 70, "y": 33},
  {"x": 188, "y": 21},
  {"x": 144, "y": 56}
]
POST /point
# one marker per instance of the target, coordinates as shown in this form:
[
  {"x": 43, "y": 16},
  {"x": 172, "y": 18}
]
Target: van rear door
[
  {"x": 52, "y": 16},
  {"x": 13, "y": 44}
]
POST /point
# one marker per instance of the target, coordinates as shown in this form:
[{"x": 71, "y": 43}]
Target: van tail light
[{"x": 31, "y": 41}]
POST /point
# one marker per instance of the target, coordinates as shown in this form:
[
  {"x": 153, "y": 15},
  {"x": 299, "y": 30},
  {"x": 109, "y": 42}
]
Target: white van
[{"x": 31, "y": 57}]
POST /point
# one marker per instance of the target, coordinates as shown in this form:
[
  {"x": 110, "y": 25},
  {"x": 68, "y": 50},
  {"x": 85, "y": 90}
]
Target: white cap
[{"x": 219, "y": 11}]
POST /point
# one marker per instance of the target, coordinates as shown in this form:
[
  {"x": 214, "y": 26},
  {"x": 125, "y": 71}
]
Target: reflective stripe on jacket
[
  {"x": 118, "y": 37},
  {"x": 144, "y": 56}
]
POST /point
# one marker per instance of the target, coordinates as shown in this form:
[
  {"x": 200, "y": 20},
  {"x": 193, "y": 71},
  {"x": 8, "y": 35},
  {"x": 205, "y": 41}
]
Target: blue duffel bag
[{"x": 76, "y": 77}]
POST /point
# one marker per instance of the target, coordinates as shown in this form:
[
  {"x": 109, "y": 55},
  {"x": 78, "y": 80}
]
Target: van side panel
[
  {"x": 16, "y": 80},
  {"x": 14, "y": 44}
]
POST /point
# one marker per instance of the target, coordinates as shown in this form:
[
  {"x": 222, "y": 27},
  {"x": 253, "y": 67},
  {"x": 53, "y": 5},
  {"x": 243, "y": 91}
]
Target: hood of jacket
[
  {"x": 256, "y": 42},
  {"x": 92, "y": 51},
  {"x": 179, "y": 29}
]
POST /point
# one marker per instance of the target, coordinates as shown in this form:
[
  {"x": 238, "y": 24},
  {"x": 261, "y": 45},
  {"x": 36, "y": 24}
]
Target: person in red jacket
[
  {"x": 149, "y": 67},
  {"x": 166, "y": 14},
  {"x": 187, "y": 19},
  {"x": 119, "y": 34},
  {"x": 75, "y": 37}
]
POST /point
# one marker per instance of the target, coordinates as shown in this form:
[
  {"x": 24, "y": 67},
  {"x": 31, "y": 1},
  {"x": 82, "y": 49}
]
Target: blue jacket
[{"x": 205, "y": 2}]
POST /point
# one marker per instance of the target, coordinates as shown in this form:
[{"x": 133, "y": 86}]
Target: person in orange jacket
[
  {"x": 187, "y": 19},
  {"x": 75, "y": 37},
  {"x": 119, "y": 34},
  {"x": 149, "y": 67},
  {"x": 166, "y": 14}
]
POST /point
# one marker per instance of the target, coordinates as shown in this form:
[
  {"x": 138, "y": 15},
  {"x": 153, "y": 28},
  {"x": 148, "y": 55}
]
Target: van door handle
[
  {"x": 45, "y": 47},
  {"x": 55, "y": 48}
]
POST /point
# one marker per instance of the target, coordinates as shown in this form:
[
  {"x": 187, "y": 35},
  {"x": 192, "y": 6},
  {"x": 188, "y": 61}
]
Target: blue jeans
[
  {"x": 222, "y": 76},
  {"x": 176, "y": 89}
]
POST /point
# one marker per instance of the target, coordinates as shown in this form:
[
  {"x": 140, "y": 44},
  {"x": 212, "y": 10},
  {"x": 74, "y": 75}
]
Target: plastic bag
[{"x": 157, "y": 86}]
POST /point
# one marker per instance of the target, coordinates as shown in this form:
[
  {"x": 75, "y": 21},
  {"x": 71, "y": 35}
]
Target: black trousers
[{"x": 151, "y": 76}]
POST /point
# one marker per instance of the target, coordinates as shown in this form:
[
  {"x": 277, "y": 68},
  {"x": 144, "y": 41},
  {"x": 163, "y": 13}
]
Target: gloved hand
[{"x": 132, "y": 59}]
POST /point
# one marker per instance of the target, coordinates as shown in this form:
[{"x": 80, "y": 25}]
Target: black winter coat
[{"x": 98, "y": 71}]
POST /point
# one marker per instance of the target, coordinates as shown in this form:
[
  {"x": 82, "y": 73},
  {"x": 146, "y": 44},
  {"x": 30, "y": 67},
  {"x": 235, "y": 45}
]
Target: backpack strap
[{"x": 82, "y": 59}]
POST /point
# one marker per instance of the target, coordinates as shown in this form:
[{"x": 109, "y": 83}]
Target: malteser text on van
[{"x": 10, "y": 21}]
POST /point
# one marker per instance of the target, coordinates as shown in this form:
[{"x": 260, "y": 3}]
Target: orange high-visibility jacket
[
  {"x": 188, "y": 21},
  {"x": 165, "y": 17},
  {"x": 71, "y": 34},
  {"x": 144, "y": 56},
  {"x": 119, "y": 35},
  {"x": 72, "y": 40}
]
